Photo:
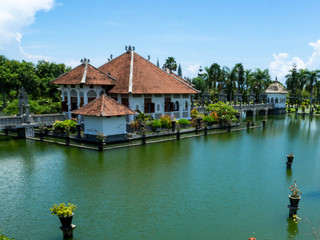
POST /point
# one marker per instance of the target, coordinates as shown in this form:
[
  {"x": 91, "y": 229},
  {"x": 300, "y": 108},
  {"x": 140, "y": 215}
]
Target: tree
[
  {"x": 158, "y": 65},
  {"x": 170, "y": 64},
  {"x": 311, "y": 79},
  {"x": 249, "y": 79},
  {"x": 213, "y": 74},
  {"x": 261, "y": 81},
  {"x": 292, "y": 82},
  {"x": 179, "y": 70}
]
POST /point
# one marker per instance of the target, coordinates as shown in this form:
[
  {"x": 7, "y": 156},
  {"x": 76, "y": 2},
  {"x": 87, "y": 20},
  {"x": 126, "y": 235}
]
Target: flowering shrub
[
  {"x": 215, "y": 116},
  {"x": 295, "y": 191},
  {"x": 194, "y": 113},
  {"x": 166, "y": 121},
  {"x": 135, "y": 124},
  {"x": 226, "y": 113},
  {"x": 62, "y": 210},
  {"x": 100, "y": 137}
]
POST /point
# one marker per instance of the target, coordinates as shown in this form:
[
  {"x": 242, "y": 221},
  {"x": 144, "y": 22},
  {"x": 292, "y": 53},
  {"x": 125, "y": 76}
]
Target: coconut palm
[
  {"x": 312, "y": 78},
  {"x": 261, "y": 81}
]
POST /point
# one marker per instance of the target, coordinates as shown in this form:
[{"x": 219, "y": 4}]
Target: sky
[{"x": 265, "y": 34}]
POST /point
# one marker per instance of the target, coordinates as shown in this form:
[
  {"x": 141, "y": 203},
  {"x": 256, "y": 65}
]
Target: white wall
[
  {"x": 108, "y": 126},
  {"x": 281, "y": 99}
]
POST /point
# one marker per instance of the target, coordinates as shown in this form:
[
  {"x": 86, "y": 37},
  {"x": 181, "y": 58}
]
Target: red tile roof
[
  {"x": 93, "y": 76},
  {"x": 147, "y": 78},
  {"x": 104, "y": 106}
]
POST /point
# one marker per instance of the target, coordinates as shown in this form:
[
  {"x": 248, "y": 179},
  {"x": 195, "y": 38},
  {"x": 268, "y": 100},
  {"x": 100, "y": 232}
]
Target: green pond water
[{"x": 224, "y": 186}]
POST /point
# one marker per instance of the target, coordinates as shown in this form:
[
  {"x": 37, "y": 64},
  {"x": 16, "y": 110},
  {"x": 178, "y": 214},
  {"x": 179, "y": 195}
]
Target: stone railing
[
  {"x": 11, "y": 121},
  {"x": 47, "y": 119}
]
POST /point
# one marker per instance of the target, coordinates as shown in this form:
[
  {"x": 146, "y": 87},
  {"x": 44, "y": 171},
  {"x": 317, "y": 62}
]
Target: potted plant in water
[
  {"x": 290, "y": 157},
  {"x": 64, "y": 212},
  {"x": 295, "y": 194}
]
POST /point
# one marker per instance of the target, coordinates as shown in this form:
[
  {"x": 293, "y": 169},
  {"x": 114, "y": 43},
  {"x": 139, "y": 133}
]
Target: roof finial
[
  {"x": 276, "y": 79},
  {"x": 149, "y": 57},
  {"x": 84, "y": 60},
  {"x": 129, "y": 48}
]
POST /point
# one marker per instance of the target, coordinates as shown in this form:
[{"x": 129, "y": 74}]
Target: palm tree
[
  {"x": 213, "y": 76},
  {"x": 261, "y": 81},
  {"x": 249, "y": 79},
  {"x": 311, "y": 79},
  {"x": 302, "y": 81}
]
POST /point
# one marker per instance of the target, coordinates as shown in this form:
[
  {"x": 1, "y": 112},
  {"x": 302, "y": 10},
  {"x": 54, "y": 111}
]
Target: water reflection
[
  {"x": 292, "y": 228},
  {"x": 289, "y": 175}
]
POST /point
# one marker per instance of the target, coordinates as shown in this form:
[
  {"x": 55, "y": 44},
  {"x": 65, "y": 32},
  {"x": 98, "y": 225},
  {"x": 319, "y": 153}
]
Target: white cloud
[
  {"x": 282, "y": 63},
  {"x": 192, "y": 70},
  {"x": 29, "y": 56},
  {"x": 16, "y": 14}
]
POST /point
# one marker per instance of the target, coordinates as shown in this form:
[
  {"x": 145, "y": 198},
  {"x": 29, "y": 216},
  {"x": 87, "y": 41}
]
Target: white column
[
  {"x": 78, "y": 99},
  {"x": 69, "y": 104},
  {"x": 85, "y": 97}
]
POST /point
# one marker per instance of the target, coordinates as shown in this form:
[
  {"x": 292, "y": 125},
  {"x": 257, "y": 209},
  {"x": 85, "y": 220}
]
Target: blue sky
[{"x": 259, "y": 34}]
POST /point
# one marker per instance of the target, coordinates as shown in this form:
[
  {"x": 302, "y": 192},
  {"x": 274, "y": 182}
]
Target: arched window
[
  {"x": 276, "y": 100},
  {"x": 186, "y": 105},
  {"x": 176, "y": 106},
  {"x": 74, "y": 99},
  {"x": 158, "y": 107},
  {"x": 272, "y": 101},
  {"x": 91, "y": 95}
]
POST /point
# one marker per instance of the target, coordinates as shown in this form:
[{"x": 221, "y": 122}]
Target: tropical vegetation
[{"x": 63, "y": 210}]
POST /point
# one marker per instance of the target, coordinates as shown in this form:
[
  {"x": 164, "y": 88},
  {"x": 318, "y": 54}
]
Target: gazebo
[{"x": 276, "y": 94}]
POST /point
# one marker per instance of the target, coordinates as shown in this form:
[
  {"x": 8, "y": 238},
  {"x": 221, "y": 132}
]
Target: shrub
[
  {"x": 184, "y": 122},
  {"x": 63, "y": 210},
  {"x": 166, "y": 121},
  {"x": 62, "y": 126},
  {"x": 194, "y": 113},
  {"x": 226, "y": 113},
  {"x": 215, "y": 116},
  {"x": 208, "y": 119},
  {"x": 156, "y": 123},
  {"x": 135, "y": 124}
]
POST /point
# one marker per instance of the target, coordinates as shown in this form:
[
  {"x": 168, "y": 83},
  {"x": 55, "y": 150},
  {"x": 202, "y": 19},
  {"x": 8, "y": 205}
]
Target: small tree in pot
[{"x": 295, "y": 194}]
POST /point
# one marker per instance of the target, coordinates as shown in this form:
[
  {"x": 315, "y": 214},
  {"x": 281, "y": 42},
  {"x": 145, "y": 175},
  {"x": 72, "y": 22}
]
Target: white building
[
  {"x": 107, "y": 116},
  {"x": 132, "y": 81},
  {"x": 276, "y": 94}
]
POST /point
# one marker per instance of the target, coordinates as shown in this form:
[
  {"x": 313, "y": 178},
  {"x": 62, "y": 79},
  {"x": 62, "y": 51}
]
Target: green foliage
[
  {"x": 183, "y": 122},
  {"x": 156, "y": 123},
  {"x": 3, "y": 237},
  {"x": 179, "y": 71},
  {"x": 166, "y": 121},
  {"x": 63, "y": 210},
  {"x": 226, "y": 113},
  {"x": 208, "y": 119},
  {"x": 34, "y": 78},
  {"x": 170, "y": 64},
  {"x": 42, "y": 106},
  {"x": 64, "y": 126}
]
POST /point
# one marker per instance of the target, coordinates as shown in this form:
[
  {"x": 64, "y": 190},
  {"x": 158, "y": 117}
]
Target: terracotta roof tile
[
  {"x": 147, "y": 77},
  {"x": 104, "y": 106},
  {"x": 93, "y": 76}
]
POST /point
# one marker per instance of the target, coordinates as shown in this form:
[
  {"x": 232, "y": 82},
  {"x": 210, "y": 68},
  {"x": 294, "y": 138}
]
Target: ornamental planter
[
  {"x": 173, "y": 126},
  {"x": 66, "y": 221},
  {"x": 294, "y": 201},
  {"x": 290, "y": 158}
]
